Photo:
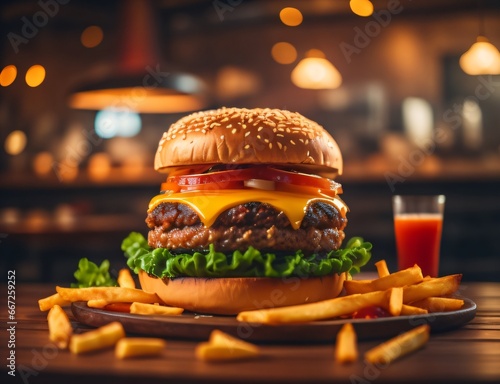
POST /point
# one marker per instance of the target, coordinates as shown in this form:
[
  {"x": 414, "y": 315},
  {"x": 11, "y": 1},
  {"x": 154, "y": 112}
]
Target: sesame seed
[
  {"x": 247, "y": 146},
  {"x": 292, "y": 142},
  {"x": 258, "y": 137},
  {"x": 270, "y": 145},
  {"x": 280, "y": 135},
  {"x": 279, "y": 145},
  {"x": 229, "y": 126},
  {"x": 247, "y": 134},
  {"x": 222, "y": 137},
  {"x": 266, "y": 140},
  {"x": 260, "y": 129},
  {"x": 234, "y": 131}
]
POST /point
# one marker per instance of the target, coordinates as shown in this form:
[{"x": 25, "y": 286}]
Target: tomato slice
[{"x": 226, "y": 179}]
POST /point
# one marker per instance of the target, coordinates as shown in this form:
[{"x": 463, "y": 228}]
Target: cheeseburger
[{"x": 249, "y": 216}]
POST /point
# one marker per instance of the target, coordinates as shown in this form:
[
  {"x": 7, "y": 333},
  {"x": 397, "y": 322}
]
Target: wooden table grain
[{"x": 470, "y": 354}]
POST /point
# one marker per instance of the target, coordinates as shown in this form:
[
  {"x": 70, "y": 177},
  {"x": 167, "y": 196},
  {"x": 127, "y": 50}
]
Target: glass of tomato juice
[{"x": 418, "y": 223}]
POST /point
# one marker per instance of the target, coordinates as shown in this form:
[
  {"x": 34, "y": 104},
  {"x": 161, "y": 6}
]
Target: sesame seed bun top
[{"x": 249, "y": 136}]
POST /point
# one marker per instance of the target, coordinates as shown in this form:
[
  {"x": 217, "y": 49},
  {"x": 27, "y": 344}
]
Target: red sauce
[{"x": 418, "y": 238}]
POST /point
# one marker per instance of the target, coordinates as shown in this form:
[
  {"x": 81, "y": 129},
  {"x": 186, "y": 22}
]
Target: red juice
[{"x": 418, "y": 238}]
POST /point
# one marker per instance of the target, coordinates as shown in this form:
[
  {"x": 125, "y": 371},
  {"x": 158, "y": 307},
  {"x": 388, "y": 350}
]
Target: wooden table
[{"x": 470, "y": 354}]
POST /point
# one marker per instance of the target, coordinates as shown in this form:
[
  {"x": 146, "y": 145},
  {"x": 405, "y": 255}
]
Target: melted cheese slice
[{"x": 210, "y": 204}]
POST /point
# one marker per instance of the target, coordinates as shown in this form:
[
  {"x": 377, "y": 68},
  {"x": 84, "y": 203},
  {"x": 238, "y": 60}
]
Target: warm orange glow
[
  {"x": 138, "y": 99},
  {"x": 482, "y": 58},
  {"x": 66, "y": 171},
  {"x": 15, "y": 142},
  {"x": 99, "y": 166},
  {"x": 8, "y": 75},
  {"x": 133, "y": 166},
  {"x": 233, "y": 82},
  {"x": 42, "y": 163},
  {"x": 35, "y": 75},
  {"x": 284, "y": 53},
  {"x": 92, "y": 36},
  {"x": 316, "y": 72},
  {"x": 362, "y": 8},
  {"x": 291, "y": 16}
]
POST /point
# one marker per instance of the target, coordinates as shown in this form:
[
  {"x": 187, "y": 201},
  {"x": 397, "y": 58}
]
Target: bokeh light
[
  {"x": 42, "y": 163},
  {"x": 8, "y": 75},
  {"x": 99, "y": 166},
  {"x": 15, "y": 142},
  {"x": 362, "y": 8},
  {"x": 111, "y": 122},
  {"x": 291, "y": 16},
  {"x": 284, "y": 53},
  {"x": 91, "y": 36},
  {"x": 35, "y": 75}
]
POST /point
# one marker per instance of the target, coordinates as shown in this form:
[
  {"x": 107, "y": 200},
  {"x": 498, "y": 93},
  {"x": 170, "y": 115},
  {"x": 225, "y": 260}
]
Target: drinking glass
[{"x": 418, "y": 224}]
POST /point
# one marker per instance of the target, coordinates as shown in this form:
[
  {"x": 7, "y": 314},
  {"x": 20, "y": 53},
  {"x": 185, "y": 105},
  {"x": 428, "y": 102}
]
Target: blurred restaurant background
[{"x": 409, "y": 89}]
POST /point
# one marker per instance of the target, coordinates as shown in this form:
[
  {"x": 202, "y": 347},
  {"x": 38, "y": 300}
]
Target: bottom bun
[{"x": 229, "y": 296}]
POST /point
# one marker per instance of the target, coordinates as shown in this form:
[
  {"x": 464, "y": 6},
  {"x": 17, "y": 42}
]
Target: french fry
[
  {"x": 151, "y": 309},
  {"x": 60, "y": 329},
  {"x": 382, "y": 269},
  {"x": 97, "y": 303},
  {"x": 397, "y": 279},
  {"x": 222, "y": 346},
  {"x": 439, "y": 304},
  {"x": 125, "y": 279},
  {"x": 398, "y": 346},
  {"x": 109, "y": 294},
  {"x": 391, "y": 300},
  {"x": 441, "y": 286},
  {"x": 100, "y": 338},
  {"x": 139, "y": 346},
  {"x": 409, "y": 310},
  {"x": 346, "y": 350},
  {"x": 48, "y": 302}
]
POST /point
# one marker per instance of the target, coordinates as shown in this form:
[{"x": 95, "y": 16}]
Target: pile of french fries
[
  {"x": 111, "y": 335},
  {"x": 401, "y": 293},
  {"x": 405, "y": 292}
]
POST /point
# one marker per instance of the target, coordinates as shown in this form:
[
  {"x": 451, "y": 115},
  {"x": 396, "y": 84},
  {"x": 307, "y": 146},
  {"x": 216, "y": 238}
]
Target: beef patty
[{"x": 177, "y": 227}]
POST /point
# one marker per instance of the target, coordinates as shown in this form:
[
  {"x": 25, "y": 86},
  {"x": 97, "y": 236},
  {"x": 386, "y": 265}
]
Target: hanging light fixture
[
  {"x": 316, "y": 72},
  {"x": 482, "y": 58},
  {"x": 140, "y": 84}
]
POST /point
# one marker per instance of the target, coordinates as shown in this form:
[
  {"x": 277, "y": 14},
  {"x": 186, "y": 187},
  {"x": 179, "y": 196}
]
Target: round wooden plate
[{"x": 198, "y": 327}]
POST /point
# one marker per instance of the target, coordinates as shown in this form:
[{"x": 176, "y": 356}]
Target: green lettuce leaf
[
  {"x": 90, "y": 274},
  {"x": 162, "y": 263}
]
